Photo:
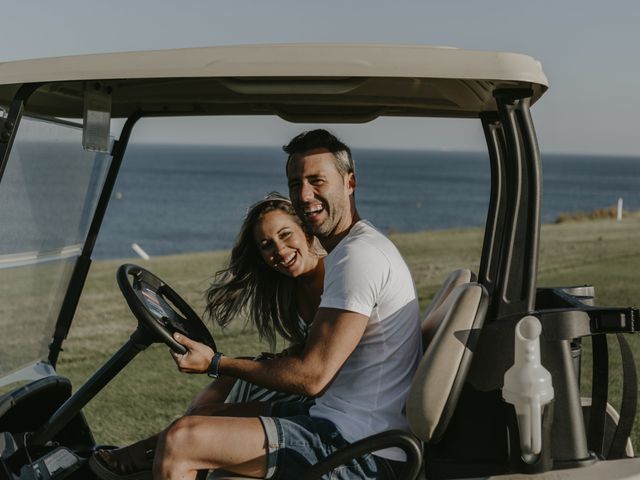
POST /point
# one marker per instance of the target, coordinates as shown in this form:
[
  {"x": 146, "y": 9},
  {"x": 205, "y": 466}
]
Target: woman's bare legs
[
  {"x": 209, "y": 402},
  {"x": 195, "y": 443},
  {"x": 216, "y": 392}
]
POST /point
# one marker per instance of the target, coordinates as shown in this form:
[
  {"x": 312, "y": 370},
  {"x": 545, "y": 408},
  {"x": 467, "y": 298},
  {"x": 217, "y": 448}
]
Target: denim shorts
[{"x": 296, "y": 441}]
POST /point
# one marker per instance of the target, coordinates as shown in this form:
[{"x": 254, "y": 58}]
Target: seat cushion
[
  {"x": 436, "y": 310},
  {"x": 440, "y": 375}
]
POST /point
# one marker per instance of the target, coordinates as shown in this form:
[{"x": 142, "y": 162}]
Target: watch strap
[{"x": 214, "y": 367}]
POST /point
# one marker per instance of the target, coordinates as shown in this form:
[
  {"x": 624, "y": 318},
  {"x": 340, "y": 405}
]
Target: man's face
[{"x": 319, "y": 193}]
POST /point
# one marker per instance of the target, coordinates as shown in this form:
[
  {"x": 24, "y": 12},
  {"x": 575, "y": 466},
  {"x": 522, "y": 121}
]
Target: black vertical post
[
  {"x": 81, "y": 268},
  {"x": 493, "y": 234},
  {"x": 517, "y": 270}
]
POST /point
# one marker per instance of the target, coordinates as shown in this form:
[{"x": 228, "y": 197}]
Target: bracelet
[{"x": 214, "y": 366}]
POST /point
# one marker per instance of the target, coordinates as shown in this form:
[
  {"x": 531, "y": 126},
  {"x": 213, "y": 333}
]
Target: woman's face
[{"x": 283, "y": 244}]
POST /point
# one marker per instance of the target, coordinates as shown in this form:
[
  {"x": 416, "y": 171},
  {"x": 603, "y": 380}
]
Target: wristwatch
[{"x": 213, "y": 370}]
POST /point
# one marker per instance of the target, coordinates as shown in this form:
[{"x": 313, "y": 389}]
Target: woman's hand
[
  {"x": 198, "y": 356},
  {"x": 292, "y": 350},
  {"x": 295, "y": 349}
]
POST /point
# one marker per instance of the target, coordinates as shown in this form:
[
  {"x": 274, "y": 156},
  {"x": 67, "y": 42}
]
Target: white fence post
[{"x": 619, "y": 216}]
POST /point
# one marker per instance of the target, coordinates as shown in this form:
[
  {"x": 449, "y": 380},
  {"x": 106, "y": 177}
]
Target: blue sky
[{"x": 589, "y": 51}]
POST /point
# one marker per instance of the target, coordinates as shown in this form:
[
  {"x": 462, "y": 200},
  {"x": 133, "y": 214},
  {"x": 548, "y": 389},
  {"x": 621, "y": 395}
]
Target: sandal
[{"x": 119, "y": 464}]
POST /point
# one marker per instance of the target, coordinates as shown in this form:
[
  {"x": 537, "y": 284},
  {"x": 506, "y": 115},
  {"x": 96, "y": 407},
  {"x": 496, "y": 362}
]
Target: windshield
[{"x": 48, "y": 194}]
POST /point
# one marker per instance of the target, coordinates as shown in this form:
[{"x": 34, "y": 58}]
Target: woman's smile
[{"x": 288, "y": 261}]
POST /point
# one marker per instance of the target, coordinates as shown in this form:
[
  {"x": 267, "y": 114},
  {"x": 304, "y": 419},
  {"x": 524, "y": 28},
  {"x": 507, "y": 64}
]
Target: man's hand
[{"x": 198, "y": 356}]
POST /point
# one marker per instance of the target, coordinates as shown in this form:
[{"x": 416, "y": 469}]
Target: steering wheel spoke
[{"x": 159, "y": 309}]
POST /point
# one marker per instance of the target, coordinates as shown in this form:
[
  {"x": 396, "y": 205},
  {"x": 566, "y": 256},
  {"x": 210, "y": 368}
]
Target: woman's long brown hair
[{"x": 249, "y": 285}]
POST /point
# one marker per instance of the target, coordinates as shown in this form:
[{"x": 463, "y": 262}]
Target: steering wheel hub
[{"x": 160, "y": 311}]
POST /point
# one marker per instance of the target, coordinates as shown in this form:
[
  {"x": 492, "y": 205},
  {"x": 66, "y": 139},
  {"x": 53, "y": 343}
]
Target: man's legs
[
  {"x": 195, "y": 443},
  {"x": 256, "y": 447}
]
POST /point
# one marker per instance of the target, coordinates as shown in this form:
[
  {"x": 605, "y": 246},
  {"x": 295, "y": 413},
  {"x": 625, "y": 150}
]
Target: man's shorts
[{"x": 296, "y": 441}]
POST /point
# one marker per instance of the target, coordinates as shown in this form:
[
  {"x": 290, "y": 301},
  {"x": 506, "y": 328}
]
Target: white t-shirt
[{"x": 366, "y": 274}]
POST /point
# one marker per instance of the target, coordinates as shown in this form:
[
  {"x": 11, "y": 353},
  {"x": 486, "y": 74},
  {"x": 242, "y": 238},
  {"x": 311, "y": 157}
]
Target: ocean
[{"x": 172, "y": 198}]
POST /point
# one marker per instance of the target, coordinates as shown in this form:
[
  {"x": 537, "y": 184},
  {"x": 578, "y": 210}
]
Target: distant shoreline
[{"x": 598, "y": 214}]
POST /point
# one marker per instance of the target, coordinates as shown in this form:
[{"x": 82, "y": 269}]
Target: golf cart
[{"x": 58, "y": 166}]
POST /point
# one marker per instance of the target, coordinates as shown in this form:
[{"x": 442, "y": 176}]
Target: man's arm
[{"x": 333, "y": 336}]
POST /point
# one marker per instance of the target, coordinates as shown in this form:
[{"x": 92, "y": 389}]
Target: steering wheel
[{"x": 152, "y": 302}]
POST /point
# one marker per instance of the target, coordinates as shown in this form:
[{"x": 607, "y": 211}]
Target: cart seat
[{"x": 443, "y": 369}]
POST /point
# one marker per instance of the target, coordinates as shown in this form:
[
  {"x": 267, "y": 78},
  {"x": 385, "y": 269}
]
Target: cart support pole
[
  {"x": 517, "y": 259},
  {"x": 493, "y": 234}
]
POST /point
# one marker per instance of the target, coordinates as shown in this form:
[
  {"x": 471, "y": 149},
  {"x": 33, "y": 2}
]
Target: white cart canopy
[{"x": 300, "y": 83}]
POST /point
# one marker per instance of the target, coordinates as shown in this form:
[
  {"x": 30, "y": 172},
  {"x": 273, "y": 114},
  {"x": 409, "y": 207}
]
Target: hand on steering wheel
[{"x": 197, "y": 357}]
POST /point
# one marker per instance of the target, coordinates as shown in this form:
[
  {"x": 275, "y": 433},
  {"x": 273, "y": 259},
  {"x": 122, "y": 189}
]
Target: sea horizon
[{"x": 173, "y": 198}]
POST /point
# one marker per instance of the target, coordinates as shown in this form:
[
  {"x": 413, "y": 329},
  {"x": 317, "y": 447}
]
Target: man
[{"x": 359, "y": 358}]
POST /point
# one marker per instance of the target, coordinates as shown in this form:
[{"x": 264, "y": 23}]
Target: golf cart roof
[{"x": 300, "y": 83}]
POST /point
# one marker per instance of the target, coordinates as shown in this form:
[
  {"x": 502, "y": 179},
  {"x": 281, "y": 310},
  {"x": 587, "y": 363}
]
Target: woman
[{"x": 275, "y": 274}]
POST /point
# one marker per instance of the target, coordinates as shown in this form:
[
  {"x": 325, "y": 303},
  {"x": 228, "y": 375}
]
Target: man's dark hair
[{"x": 320, "y": 138}]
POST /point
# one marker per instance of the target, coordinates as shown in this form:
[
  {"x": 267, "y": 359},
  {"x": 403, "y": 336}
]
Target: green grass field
[{"x": 150, "y": 392}]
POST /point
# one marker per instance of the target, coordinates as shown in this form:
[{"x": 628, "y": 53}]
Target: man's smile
[{"x": 312, "y": 212}]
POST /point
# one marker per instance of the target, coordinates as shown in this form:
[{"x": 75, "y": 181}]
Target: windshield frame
[{"x": 81, "y": 251}]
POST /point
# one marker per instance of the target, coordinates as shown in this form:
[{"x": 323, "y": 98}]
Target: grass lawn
[{"x": 150, "y": 392}]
